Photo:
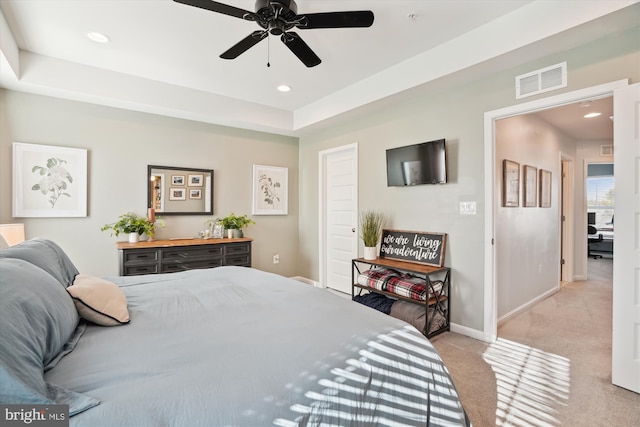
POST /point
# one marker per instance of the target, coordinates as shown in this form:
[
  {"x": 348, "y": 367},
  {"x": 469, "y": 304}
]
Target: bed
[{"x": 228, "y": 346}]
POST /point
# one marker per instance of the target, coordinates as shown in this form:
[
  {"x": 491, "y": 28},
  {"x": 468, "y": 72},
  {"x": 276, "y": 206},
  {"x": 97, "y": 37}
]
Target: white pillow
[{"x": 99, "y": 301}]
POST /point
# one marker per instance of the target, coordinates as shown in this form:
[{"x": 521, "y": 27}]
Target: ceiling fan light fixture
[
  {"x": 98, "y": 37},
  {"x": 284, "y": 88}
]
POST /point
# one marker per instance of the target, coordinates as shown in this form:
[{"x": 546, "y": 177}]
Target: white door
[
  {"x": 338, "y": 216},
  {"x": 625, "y": 371}
]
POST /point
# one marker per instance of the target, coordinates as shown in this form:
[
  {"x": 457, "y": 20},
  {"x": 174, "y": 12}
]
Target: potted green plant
[
  {"x": 133, "y": 225},
  {"x": 370, "y": 232},
  {"x": 234, "y": 224}
]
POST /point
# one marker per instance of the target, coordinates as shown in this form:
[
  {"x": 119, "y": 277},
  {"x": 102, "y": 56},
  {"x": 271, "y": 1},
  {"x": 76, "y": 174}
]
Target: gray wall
[
  {"x": 451, "y": 108},
  {"x": 527, "y": 238},
  {"x": 120, "y": 145}
]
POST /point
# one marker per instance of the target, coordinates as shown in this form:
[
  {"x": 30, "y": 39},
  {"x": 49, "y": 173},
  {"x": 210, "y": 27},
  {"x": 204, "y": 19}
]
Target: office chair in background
[{"x": 591, "y": 230}]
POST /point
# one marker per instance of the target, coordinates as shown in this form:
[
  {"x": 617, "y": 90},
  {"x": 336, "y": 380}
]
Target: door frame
[
  {"x": 490, "y": 329},
  {"x": 567, "y": 247},
  {"x": 322, "y": 205}
]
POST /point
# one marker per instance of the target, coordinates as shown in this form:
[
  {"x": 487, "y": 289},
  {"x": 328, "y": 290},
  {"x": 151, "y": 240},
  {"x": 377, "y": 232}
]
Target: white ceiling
[{"x": 163, "y": 56}]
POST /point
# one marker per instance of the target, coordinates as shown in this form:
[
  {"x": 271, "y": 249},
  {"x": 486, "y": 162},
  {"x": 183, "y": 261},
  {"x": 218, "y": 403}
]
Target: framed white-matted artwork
[
  {"x": 545, "y": 188},
  {"x": 530, "y": 187},
  {"x": 510, "y": 183},
  {"x": 270, "y": 190},
  {"x": 195, "y": 180},
  {"x": 195, "y": 194},
  {"x": 177, "y": 194},
  {"x": 177, "y": 179},
  {"x": 49, "y": 181}
]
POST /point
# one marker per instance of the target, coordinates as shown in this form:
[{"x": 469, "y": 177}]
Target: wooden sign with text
[{"x": 414, "y": 246}]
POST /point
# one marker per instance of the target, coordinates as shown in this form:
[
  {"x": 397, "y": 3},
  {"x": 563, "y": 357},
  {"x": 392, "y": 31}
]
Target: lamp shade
[{"x": 12, "y": 233}]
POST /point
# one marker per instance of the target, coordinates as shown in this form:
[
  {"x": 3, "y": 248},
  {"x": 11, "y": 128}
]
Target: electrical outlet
[{"x": 276, "y": 259}]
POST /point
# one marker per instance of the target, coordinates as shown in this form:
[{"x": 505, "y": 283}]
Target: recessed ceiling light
[
  {"x": 98, "y": 37},
  {"x": 284, "y": 88},
  {"x": 591, "y": 115}
]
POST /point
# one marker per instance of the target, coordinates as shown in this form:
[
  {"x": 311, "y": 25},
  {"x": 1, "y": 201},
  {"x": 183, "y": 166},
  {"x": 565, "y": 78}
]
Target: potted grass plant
[{"x": 370, "y": 232}]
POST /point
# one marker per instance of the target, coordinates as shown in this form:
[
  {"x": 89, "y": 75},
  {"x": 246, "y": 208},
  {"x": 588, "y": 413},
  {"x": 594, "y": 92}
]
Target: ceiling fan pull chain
[{"x": 268, "y": 51}]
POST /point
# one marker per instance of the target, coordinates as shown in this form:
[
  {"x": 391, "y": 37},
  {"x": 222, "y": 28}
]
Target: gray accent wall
[{"x": 120, "y": 145}]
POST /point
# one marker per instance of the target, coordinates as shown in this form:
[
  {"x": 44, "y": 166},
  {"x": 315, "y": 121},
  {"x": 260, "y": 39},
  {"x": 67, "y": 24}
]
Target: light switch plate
[{"x": 467, "y": 208}]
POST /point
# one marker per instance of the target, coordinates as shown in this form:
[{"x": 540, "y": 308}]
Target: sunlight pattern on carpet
[{"x": 531, "y": 384}]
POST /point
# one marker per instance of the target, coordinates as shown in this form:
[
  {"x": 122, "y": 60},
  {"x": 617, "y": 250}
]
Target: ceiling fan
[{"x": 278, "y": 17}]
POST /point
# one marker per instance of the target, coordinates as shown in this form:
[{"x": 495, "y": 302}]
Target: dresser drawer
[
  {"x": 236, "y": 248},
  {"x": 172, "y": 267},
  {"x": 140, "y": 256},
  {"x": 190, "y": 253},
  {"x": 242, "y": 260},
  {"x": 136, "y": 270}
]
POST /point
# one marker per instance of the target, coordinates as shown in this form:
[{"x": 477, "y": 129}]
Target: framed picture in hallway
[
  {"x": 545, "y": 188},
  {"x": 530, "y": 187},
  {"x": 510, "y": 183}
]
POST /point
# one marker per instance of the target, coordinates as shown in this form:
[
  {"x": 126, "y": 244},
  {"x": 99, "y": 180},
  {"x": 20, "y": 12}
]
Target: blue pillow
[
  {"x": 47, "y": 255},
  {"x": 37, "y": 319}
]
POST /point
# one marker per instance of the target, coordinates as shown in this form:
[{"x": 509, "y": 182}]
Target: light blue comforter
[{"x": 234, "y": 346}]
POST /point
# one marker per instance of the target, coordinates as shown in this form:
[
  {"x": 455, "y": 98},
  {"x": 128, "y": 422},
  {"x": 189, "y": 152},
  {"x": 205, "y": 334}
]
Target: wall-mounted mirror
[{"x": 180, "y": 191}]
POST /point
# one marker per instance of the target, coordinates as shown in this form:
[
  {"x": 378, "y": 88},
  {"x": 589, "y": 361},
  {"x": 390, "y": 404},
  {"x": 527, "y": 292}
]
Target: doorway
[
  {"x": 338, "y": 216},
  {"x": 626, "y": 101},
  {"x": 492, "y": 188}
]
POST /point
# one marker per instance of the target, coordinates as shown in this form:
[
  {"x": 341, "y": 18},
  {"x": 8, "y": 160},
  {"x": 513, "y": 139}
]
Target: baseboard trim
[
  {"x": 466, "y": 331},
  {"x": 306, "y": 281},
  {"x": 527, "y": 305}
]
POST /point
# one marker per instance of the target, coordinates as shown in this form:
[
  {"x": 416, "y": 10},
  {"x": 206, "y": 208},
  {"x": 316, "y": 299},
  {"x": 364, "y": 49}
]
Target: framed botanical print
[
  {"x": 270, "y": 190},
  {"x": 49, "y": 181}
]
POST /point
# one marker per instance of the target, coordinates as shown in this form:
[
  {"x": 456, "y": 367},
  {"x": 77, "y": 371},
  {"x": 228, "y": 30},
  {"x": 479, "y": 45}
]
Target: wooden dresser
[{"x": 168, "y": 256}]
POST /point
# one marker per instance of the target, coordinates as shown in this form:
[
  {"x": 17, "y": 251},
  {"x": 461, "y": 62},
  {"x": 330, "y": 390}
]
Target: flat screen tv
[{"x": 424, "y": 163}]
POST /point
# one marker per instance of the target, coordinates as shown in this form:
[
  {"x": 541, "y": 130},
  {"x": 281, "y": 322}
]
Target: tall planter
[{"x": 370, "y": 252}]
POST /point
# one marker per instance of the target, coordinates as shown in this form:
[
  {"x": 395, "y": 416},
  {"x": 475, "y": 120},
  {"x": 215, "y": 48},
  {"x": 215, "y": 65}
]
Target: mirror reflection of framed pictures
[
  {"x": 177, "y": 194},
  {"x": 195, "y": 194},
  {"x": 195, "y": 180},
  {"x": 177, "y": 180}
]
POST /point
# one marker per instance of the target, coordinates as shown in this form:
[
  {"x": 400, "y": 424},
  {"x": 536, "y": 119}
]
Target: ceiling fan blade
[
  {"x": 214, "y": 6},
  {"x": 245, "y": 44},
  {"x": 300, "y": 49},
  {"x": 363, "y": 18}
]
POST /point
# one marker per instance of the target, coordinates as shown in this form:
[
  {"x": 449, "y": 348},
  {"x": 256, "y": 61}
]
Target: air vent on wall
[
  {"x": 606, "y": 150},
  {"x": 542, "y": 80}
]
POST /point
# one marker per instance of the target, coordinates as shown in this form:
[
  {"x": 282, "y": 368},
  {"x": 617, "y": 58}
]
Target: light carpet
[{"x": 551, "y": 365}]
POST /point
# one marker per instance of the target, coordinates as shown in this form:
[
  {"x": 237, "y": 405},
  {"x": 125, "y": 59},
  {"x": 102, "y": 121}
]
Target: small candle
[{"x": 151, "y": 215}]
